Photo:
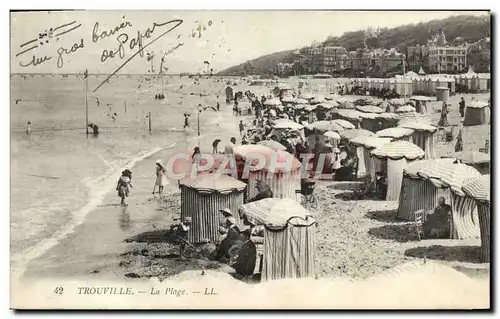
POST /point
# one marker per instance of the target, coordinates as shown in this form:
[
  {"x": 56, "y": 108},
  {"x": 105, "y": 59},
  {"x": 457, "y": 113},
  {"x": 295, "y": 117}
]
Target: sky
[{"x": 227, "y": 37}]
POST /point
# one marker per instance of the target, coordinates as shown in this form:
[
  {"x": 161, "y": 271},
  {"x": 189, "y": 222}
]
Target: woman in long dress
[
  {"x": 443, "y": 121},
  {"x": 123, "y": 186},
  {"x": 161, "y": 177}
]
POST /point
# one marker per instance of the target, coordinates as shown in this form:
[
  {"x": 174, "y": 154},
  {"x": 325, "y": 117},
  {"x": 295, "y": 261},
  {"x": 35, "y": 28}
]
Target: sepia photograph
[{"x": 285, "y": 159}]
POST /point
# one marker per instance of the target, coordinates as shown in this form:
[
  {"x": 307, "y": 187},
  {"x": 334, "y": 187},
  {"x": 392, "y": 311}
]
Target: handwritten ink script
[{"x": 128, "y": 44}]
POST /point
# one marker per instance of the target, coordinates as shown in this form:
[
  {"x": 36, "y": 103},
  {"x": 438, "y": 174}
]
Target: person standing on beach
[
  {"x": 161, "y": 177},
  {"x": 186, "y": 121},
  {"x": 443, "y": 121},
  {"x": 229, "y": 147},
  {"x": 242, "y": 128},
  {"x": 461, "y": 107},
  {"x": 28, "y": 128},
  {"x": 218, "y": 107},
  {"x": 123, "y": 186}
]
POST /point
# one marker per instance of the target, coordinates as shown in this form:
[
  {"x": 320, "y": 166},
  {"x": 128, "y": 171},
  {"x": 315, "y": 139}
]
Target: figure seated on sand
[
  {"x": 230, "y": 237},
  {"x": 437, "y": 224},
  {"x": 246, "y": 257}
]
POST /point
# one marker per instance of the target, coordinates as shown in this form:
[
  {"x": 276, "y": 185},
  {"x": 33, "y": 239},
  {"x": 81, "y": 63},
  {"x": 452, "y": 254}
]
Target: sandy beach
[{"x": 355, "y": 238}]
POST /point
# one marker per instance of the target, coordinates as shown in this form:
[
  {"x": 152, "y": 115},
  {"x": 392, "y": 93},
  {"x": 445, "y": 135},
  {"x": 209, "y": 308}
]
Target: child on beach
[
  {"x": 242, "y": 128},
  {"x": 186, "y": 121},
  {"x": 28, "y": 128},
  {"x": 161, "y": 177},
  {"x": 123, "y": 186}
]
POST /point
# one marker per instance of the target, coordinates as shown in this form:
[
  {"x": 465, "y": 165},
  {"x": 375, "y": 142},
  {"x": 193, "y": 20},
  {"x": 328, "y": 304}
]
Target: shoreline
[{"x": 50, "y": 262}]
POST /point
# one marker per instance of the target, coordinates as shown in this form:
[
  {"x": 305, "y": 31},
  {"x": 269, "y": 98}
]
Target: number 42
[{"x": 59, "y": 290}]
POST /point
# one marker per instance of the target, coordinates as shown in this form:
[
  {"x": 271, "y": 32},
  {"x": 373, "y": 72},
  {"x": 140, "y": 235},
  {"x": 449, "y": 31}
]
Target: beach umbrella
[
  {"x": 310, "y": 108},
  {"x": 395, "y": 132},
  {"x": 397, "y": 150},
  {"x": 451, "y": 175},
  {"x": 244, "y": 151},
  {"x": 287, "y": 124},
  {"x": 369, "y": 142},
  {"x": 324, "y": 126},
  {"x": 345, "y": 124},
  {"x": 301, "y": 101},
  {"x": 288, "y": 99},
  {"x": 369, "y": 109},
  {"x": 272, "y": 102},
  {"x": 418, "y": 126},
  {"x": 478, "y": 104},
  {"x": 471, "y": 157},
  {"x": 478, "y": 188},
  {"x": 405, "y": 109},
  {"x": 326, "y": 106},
  {"x": 332, "y": 135},
  {"x": 306, "y": 96},
  {"x": 350, "y": 134},
  {"x": 348, "y": 114},
  {"x": 317, "y": 100},
  {"x": 420, "y": 98},
  {"x": 346, "y": 105},
  {"x": 414, "y": 168},
  {"x": 274, "y": 213},
  {"x": 397, "y": 102},
  {"x": 300, "y": 106},
  {"x": 273, "y": 145}
]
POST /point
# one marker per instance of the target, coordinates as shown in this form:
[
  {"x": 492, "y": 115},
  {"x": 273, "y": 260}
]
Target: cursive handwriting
[
  {"x": 96, "y": 36},
  {"x": 61, "y": 51},
  {"x": 35, "y": 61},
  {"x": 138, "y": 42}
]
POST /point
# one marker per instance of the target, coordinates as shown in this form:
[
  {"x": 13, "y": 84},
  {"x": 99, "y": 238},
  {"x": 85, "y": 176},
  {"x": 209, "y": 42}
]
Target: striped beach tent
[
  {"x": 398, "y": 155},
  {"x": 397, "y": 133},
  {"x": 349, "y": 135},
  {"x": 479, "y": 189},
  {"x": 289, "y": 237},
  {"x": 323, "y": 126},
  {"x": 476, "y": 113},
  {"x": 278, "y": 169},
  {"x": 345, "y": 124},
  {"x": 368, "y": 143},
  {"x": 464, "y": 211},
  {"x": 424, "y": 136},
  {"x": 202, "y": 197},
  {"x": 418, "y": 193}
]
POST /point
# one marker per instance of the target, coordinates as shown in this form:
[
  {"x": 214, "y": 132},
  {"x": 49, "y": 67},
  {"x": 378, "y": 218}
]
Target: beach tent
[
  {"x": 478, "y": 160},
  {"x": 397, "y": 133},
  {"x": 364, "y": 146},
  {"x": 476, "y": 113},
  {"x": 273, "y": 145},
  {"x": 398, "y": 155},
  {"x": 424, "y": 136},
  {"x": 349, "y": 135},
  {"x": 289, "y": 237},
  {"x": 421, "y": 71},
  {"x": 405, "y": 109},
  {"x": 272, "y": 102},
  {"x": 202, "y": 197},
  {"x": 479, "y": 189},
  {"x": 351, "y": 116},
  {"x": 464, "y": 213},
  {"x": 421, "y": 103},
  {"x": 418, "y": 193},
  {"x": 278, "y": 169}
]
